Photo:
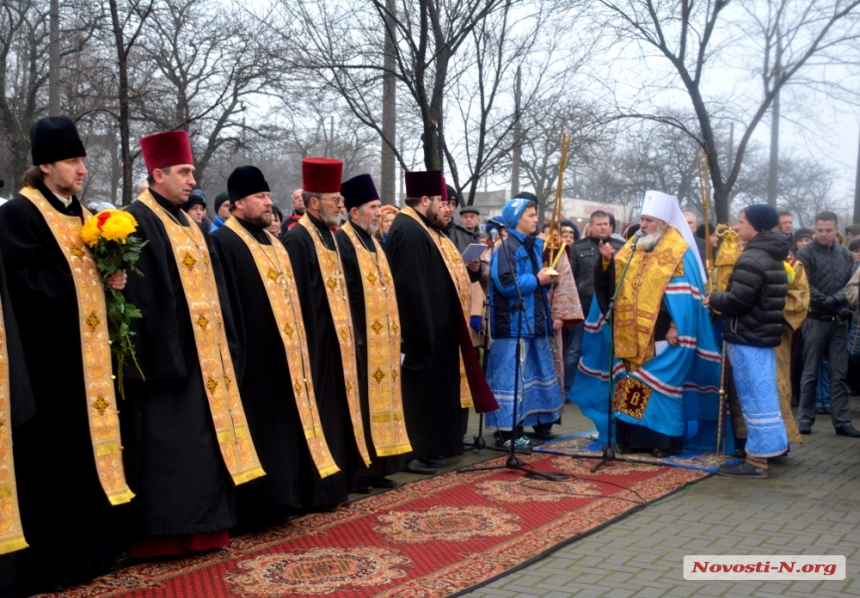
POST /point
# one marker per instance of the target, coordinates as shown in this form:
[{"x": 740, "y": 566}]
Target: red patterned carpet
[{"x": 433, "y": 538}]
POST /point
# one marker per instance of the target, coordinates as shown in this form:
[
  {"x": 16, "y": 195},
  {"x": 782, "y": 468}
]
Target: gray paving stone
[{"x": 808, "y": 505}]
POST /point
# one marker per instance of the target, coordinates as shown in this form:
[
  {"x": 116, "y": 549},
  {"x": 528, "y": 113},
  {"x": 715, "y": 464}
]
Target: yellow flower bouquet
[{"x": 108, "y": 236}]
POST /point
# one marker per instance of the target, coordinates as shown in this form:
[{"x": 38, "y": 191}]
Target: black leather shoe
[
  {"x": 382, "y": 483},
  {"x": 806, "y": 428},
  {"x": 418, "y": 466},
  {"x": 437, "y": 461},
  {"x": 363, "y": 488},
  {"x": 848, "y": 430}
]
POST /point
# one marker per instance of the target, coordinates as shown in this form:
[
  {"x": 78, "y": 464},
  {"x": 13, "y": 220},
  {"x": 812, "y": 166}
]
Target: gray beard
[
  {"x": 331, "y": 221},
  {"x": 649, "y": 242}
]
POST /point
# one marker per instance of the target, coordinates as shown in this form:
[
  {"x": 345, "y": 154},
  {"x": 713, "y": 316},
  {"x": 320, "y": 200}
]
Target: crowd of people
[{"x": 284, "y": 361}]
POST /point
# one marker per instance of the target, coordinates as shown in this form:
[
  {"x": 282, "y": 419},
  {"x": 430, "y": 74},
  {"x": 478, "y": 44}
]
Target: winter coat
[
  {"x": 461, "y": 236},
  {"x": 584, "y": 257},
  {"x": 752, "y": 305},
  {"x": 829, "y": 269},
  {"x": 504, "y": 320}
]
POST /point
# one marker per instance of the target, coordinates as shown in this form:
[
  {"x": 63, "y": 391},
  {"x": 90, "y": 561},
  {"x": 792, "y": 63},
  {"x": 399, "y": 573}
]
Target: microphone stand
[
  {"x": 512, "y": 462},
  {"x": 608, "y": 452}
]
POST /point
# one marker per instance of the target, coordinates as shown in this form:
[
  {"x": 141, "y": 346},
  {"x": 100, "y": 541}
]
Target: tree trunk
[
  {"x": 773, "y": 166},
  {"x": 388, "y": 165},
  {"x": 54, "y": 65},
  {"x": 774, "y": 153},
  {"x": 518, "y": 139},
  {"x": 124, "y": 121}
]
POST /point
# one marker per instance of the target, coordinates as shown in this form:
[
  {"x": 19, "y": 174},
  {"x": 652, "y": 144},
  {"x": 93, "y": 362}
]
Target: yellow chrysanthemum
[
  {"x": 111, "y": 225},
  {"x": 90, "y": 232},
  {"x": 118, "y": 226}
]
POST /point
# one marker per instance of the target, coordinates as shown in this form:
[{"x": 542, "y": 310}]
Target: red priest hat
[
  {"x": 421, "y": 183},
  {"x": 163, "y": 150},
  {"x": 321, "y": 175}
]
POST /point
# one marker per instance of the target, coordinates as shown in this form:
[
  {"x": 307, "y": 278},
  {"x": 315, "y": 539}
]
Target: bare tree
[
  {"x": 804, "y": 186},
  {"x": 483, "y": 94},
  {"x": 24, "y": 69},
  {"x": 543, "y": 125},
  {"x": 131, "y": 17},
  {"x": 211, "y": 70},
  {"x": 780, "y": 35},
  {"x": 342, "y": 45}
]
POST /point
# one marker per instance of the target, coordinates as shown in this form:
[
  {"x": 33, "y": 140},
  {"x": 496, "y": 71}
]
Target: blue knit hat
[
  {"x": 762, "y": 216},
  {"x": 513, "y": 211}
]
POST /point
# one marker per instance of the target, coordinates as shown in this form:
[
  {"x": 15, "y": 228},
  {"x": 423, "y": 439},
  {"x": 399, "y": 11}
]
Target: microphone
[
  {"x": 494, "y": 235},
  {"x": 495, "y": 222},
  {"x": 636, "y": 236}
]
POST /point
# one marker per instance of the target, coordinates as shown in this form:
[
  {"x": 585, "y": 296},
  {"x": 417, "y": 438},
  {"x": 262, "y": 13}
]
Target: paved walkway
[{"x": 810, "y": 504}]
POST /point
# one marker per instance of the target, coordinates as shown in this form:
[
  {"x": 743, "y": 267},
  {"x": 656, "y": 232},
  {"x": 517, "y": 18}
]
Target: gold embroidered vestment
[
  {"x": 11, "y": 531},
  {"x": 382, "y": 325},
  {"x": 638, "y": 302},
  {"x": 95, "y": 347},
  {"x": 216, "y": 366},
  {"x": 338, "y": 302},
  {"x": 276, "y": 274},
  {"x": 462, "y": 284}
]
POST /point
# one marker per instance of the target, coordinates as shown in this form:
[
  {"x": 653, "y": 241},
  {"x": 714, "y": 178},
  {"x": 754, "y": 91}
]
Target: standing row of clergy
[{"x": 269, "y": 374}]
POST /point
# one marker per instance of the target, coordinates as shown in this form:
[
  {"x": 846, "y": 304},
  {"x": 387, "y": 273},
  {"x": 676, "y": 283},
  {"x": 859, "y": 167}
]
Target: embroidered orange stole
[
  {"x": 216, "y": 365},
  {"x": 276, "y": 274},
  {"x": 382, "y": 323},
  {"x": 638, "y": 302},
  {"x": 95, "y": 347},
  {"x": 463, "y": 286},
  {"x": 338, "y": 303},
  {"x": 11, "y": 532}
]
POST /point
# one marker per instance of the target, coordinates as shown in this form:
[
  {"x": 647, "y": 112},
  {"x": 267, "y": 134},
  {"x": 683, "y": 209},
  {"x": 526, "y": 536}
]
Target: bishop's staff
[
  {"x": 553, "y": 242},
  {"x": 705, "y": 187}
]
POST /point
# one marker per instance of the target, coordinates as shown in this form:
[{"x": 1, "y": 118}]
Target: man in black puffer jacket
[
  {"x": 828, "y": 266},
  {"x": 752, "y": 308}
]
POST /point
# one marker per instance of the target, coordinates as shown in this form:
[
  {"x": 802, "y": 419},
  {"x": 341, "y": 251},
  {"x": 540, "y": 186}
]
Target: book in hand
[{"x": 473, "y": 252}]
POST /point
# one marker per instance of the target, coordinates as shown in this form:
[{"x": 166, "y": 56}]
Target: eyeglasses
[{"x": 337, "y": 199}]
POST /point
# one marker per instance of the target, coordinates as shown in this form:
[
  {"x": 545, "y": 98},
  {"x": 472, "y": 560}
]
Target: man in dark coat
[
  {"x": 325, "y": 306},
  {"x": 435, "y": 391},
  {"x": 376, "y": 322},
  {"x": 584, "y": 255},
  {"x": 752, "y": 308},
  {"x": 186, "y": 438},
  {"x": 829, "y": 267},
  {"x": 71, "y": 536},
  {"x": 272, "y": 341}
]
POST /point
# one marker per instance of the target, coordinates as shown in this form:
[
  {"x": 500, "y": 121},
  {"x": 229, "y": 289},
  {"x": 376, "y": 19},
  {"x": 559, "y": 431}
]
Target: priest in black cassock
[
  {"x": 16, "y": 406},
  {"x": 66, "y": 510},
  {"x": 187, "y": 443},
  {"x": 325, "y": 306},
  {"x": 276, "y": 382},
  {"x": 441, "y": 377},
  {"x": 376, "y": 323}
]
